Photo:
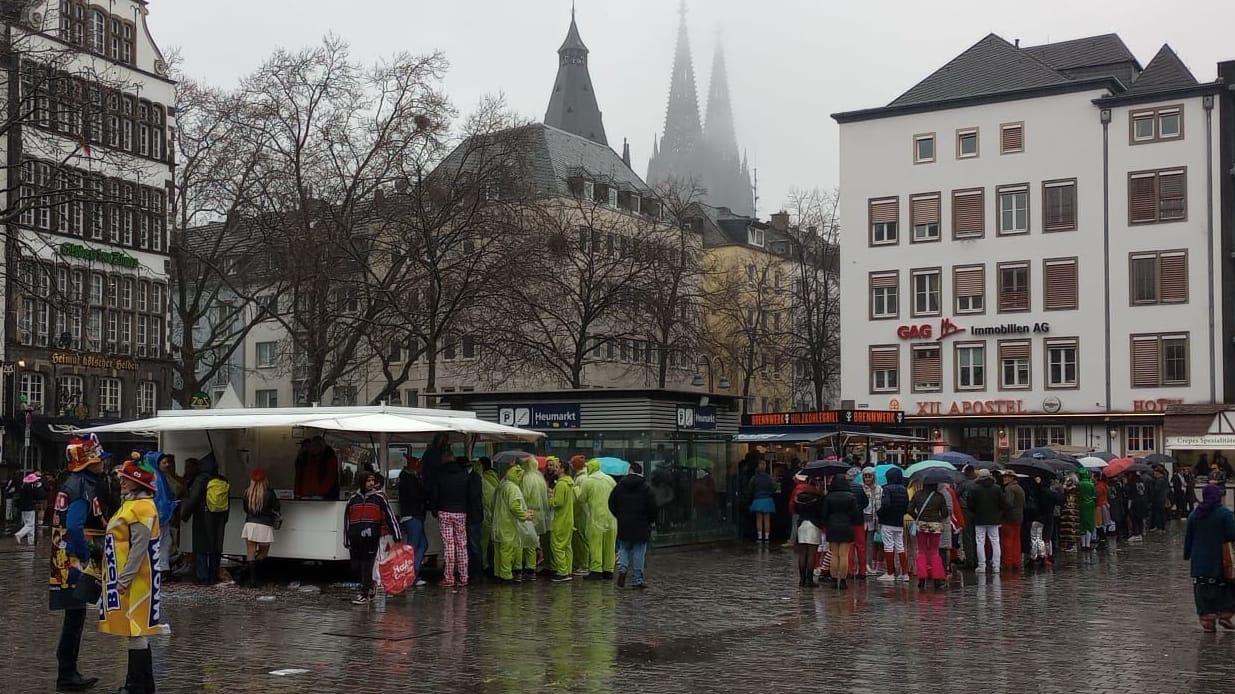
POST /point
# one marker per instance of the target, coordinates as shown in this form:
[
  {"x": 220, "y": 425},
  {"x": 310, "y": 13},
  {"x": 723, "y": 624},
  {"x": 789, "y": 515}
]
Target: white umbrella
[
  {"x": 1093, "y": 462},
  {"x": 377, "y": 423}
]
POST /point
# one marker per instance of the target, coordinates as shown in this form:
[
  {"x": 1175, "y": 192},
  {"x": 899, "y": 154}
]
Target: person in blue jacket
[{"x": 1210, "y": 527}]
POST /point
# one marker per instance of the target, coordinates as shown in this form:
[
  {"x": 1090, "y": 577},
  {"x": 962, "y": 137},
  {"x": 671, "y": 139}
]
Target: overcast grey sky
[{"x": 791, "y": 62}]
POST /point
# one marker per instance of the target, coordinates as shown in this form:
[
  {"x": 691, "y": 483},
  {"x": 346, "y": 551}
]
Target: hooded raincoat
[
  {"x": 536, "y": 496},
  {"x": 489, "y": 482},
  {"x": 594, "y": 492},
  {"x": 1087, "y": 497},
  {"x": 562, "y": 529},
  {"x": 509, "y": 510}
]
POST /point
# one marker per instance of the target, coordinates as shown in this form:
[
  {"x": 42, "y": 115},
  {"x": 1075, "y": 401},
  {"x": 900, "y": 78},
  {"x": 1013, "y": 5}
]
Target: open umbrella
[
  {"x": 926, "y": 465},
  {"x": 987, "y": 465},
  {"x": 1116, "y": 467},
  {"x": 957, "y": 458},
  {"x": 1157, "y": 459},
  {"x": 1034, "y": 467},
  {"x": 1063, "y": 467},
  {"x": 1138, "y": 467},
  {"x": 1040, "y": 453},
  {"x": 825, "y": 468},
  {"x": 614, "y": 466},
  {"x": 1093, "y": 462},
  {"x": 1105, "y": 455},
  {"x": 936, "y": 475},
  {"x": 881, "y": 473}
]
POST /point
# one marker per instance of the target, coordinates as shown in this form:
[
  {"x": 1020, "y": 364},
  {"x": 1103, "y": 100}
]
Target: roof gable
[
  {"x": 1165, "y": 72},
  {"x": 990, "y": 66}
]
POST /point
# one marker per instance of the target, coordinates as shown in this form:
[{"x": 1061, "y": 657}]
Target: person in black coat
[
  {"x": 1159, "y": 498},
  {"x": 475, "y": 518},
  {"x": 633, "y": 504},
  {"x": 1048, "y": 496},
  {"x": 841, "y": 511},
  {"x": 208, "y": 526},
  {"x": 413, "y": 503},
  {"x": 1138, "y": 505}
]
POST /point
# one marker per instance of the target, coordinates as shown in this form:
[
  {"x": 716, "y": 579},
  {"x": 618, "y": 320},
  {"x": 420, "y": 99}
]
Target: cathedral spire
[
  {"x": 682, "y": 128},
  {"x": 718, "y": 129},
  {"x": 572, "y": 106}
]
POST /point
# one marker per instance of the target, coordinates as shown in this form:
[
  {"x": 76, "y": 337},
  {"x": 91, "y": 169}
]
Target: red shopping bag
[{"x": 398, "y": 569}]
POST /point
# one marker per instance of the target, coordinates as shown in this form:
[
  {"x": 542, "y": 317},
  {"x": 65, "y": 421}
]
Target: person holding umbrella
[
  {"x": 929, "y": 509},
  {"x": 1013, "y": 517},
  {"x": 1210, "y": 526}
]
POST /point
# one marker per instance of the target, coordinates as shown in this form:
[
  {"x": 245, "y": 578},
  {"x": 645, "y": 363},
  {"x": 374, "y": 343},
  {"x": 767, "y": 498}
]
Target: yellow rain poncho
[
  {"x": 562, "y": 531},
  {"x": 509, "y": 510},
  {"x": 601, "y": 530},
  {"x": 489, "y": 483}
]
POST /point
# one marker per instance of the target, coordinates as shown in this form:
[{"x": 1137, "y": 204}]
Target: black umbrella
[
  {"x": 936, "y": 475},
  {"x": 1157, "y": 458},
  {"x": 1040, "y": 453},
  {"x": 1104, "y": 455},
  {"x": 1033, "y": 467},
  {"x": 1063, "y": 466},
  {"x": 1138, "y": 467},
  {"x": 987, "y": 465},
  {"x": 825, "y": 468}
]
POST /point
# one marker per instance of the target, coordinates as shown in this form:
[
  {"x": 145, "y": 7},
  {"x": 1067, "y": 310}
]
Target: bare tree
[{"x": 814, "y": 250}]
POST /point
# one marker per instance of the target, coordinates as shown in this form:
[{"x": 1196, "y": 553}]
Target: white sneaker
[
  {"x": 905, "y": 578},
  {"x": 887, "y": 578},
  {"x": 980, "y": 570},
  {"x": 421, "y": 582},
  {"x": 994, "y": 569}
]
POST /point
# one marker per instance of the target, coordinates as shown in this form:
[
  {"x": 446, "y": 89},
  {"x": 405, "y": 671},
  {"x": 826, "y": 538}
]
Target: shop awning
[
  {"x": 873, "y": 436},
  {"x": 781, "y": 437},
  {"x": 1220, "y": 435}
]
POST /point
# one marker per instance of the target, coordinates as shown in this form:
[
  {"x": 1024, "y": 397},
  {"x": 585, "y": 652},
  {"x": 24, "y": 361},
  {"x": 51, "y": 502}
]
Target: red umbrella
[
  {"x": 541, "y": 462},
  {"x": 1116, "y": 467}
]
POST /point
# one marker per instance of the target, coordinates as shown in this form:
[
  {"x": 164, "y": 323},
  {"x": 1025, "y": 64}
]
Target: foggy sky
[{"x": 791, "y": 62}]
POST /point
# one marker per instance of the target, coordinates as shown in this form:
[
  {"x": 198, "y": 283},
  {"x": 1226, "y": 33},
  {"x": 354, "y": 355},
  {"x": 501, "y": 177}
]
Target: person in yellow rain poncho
[
  {"x": 579, "y": 541},
  {"x": 509, "y": 514},
  {"x": 601, "y": 525},
  {"x": 562, "y": 529},
  {"x": 130, "y": 601},
  {"x": 489, "y": 483},
  {"x": 536, "y": 496}
]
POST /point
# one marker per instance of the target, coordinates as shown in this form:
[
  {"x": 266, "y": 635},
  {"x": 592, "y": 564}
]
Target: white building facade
[{"x": 1034, "y": 230}]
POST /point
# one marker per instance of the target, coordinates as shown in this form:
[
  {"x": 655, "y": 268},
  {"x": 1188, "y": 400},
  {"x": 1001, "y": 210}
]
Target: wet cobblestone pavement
[{"x": 727, "y": 619}]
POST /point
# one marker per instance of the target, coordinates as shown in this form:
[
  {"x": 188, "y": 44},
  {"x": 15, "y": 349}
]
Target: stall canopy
[
  {"x": 894, "y": 438},
  {"x": 784, "y": 437},
  {"x": 376, "y": 419}
]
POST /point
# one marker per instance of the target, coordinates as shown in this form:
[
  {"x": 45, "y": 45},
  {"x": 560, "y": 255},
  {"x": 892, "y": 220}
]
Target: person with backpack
[
  {"x": 207, "y": 508},
  {"x": 29, "y": 495}
]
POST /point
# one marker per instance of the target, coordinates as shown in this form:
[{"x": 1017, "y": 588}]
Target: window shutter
[
  {"x": 884, "y": 211},
  {"x": 1172, "y": 196},
  {"x": 927, "y": 367},
  {"x": 1173, "y": 278},
  {"x": 968, "y": 217},
  {"x": 883, "y": 281},
  {"x": 1060, "y": 202},
  {"x": 924, "y": 210},
  {"x": 1060, "y": 280},
  {"x": 1014, "y": 350},
  {"x": 1012, "y": 138},
  {"x": 1141, "y": 200},
  {"x": 970, "y": 282},
  {"x": 1146, "y": 367},
  {"x": 883, "y": 358}
]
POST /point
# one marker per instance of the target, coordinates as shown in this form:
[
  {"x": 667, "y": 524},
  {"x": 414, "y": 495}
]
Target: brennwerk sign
[
  {"x": 697, "y": 418},
  {"x": 548, "y": 416}
]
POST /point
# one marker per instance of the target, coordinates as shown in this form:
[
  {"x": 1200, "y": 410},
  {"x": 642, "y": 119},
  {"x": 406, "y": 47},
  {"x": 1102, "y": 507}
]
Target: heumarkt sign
[
  {"x": 73, "y": 250},
  {"x": 95, "y": 361}
]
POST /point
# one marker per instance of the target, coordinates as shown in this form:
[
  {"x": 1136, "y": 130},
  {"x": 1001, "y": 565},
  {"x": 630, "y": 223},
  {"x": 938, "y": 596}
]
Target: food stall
[{"x": 355, "y": 438}]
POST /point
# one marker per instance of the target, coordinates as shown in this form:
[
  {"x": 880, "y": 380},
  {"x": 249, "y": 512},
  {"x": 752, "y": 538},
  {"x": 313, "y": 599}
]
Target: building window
[
  {"x": 30, "y": 392},
  {"x": 1158, "y": 278},
  {"x": 1159, "y": 360},
  {"x": 969, "y": 287},
  {"x": 1157, "y": 196},
  {"x": 970, "y": 366},
  {"x": 885, "y": 366},
  {"x": 884, "y": 214},
  {"x": 884, "y": 294},
  {"x": 1059, "y": 205},
  {"x": 967, "y": 143},
  {"x": 468, "y": 347},
  {"x": 754, "y": 236},
  {"x": 968, "y": 213},
  {"x": 924, "y": 216},
  {"x": 925, "y": 292},
  {"x": 1059, "y": 284},
  {"x": 1156, "y": 124},
  {"x": 1013, "y": 287},
  {"x": 267, "y": 353},
  {"x": 1033, "y": 437},
  {"x": 147, "y": 397},
  {"x": 1013, "y": 210},
  {"x": 924, "y": 148},
  {"x": 70, "y": 394},
  {"x": 1061, "y": 363},
  {"x": 1014, "y": 359},
  {"x": 268, "y": 398},
  {"x": 926, "y": 368},
  {"x": 1140, "y": 438},
  {"x": 109, "y": 397},
  {"x": 1011, "y": 138},
  {"x": 344, "y": 395}
]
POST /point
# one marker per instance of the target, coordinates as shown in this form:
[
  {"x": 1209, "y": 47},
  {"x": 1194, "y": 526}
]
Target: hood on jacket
[
  {"x": 840, "y": 483},
  {"x": 630, "y": 482},
  {"x": 895, "y": 476},
  {"x": 1083, "y": 475},
  {"x": 515, "y": 474},
  {"x": 593, "y": 465},
  {"x": 208, "y": 466}
]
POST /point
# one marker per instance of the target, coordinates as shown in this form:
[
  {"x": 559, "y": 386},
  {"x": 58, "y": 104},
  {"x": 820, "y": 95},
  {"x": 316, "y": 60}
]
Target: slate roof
[
  {"x": 1090, "y": 51},
  {"x": 572, "y": 104},
  {"x": 1165, "y": 72},
  {"x": 990, "y": 66}
]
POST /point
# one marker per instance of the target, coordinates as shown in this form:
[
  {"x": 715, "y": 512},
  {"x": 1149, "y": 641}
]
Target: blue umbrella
[
  {"x": 958, "y": 459},
  {"x": 926, "y": 465},
  {"x": 614, "y": 466},
  {"x": 881, "y": 473}
]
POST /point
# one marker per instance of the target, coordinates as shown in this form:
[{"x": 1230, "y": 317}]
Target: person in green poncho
[
  {"x": 536, "y": 496},
  {"x": 489, "y": 483},
  {"x": 601, "y": 525},
  {"x": 562, "y": 529},
  {"x": 579, "y": 542},
  {"x": 1087, "y": 495},
  {"x": 509, "y": 511}
]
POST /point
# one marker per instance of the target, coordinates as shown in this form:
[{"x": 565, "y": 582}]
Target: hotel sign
[
  {"x": 73, "y": 250},
  {"x": 93, "y": 361}
]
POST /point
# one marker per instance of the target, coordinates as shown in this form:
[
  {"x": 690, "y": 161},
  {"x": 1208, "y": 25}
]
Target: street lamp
[{"x": 697, "y": 379}]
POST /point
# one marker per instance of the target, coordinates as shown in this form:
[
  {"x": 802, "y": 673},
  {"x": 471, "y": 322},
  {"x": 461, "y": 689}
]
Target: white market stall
[{"x": 244, "y": 439}]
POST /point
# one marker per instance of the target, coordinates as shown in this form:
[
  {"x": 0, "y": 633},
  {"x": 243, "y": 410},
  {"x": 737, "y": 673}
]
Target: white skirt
[
  {"x": 808, "y": 534},
  {"x": 256, "y": 532}
]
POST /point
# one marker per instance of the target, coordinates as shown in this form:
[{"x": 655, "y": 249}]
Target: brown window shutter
[
  {"x": 926, "y": 367},
  {"x": 1146, "y": 368},
  {"x": 1172, "y": 196},
  {"x": 924, "y": 210},
  {"x": 1014, "y": 350},
  {"x": 1060, "y": 280},
  {"x": 883, "y": 281},
  {"x": 884, "y": 211},
  {"x": 1141, "y": 199},
  {"x": 968, "y": 217},
  {"x": 1173, "y": 278},
  {"x": 884, "y": 358},
  {"x": 1012, "y": 138},
  {"x": 1060, "y": 202},
  {"x": 969, "y": 282}
]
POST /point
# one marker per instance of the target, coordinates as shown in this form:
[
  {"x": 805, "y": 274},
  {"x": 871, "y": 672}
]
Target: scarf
[{"x": 1211, "y": 498}]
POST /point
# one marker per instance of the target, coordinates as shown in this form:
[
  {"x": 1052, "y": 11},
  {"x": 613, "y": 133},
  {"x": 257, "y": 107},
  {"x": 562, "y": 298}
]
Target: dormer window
[
  {"x": 613, "y": 197},
  {"x": 634, "y": 203},
  {"x": 754, "y": 236},
  {"x": 589, "y": 190}
]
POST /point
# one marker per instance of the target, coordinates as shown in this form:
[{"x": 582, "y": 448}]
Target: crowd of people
[{"x": 508, "y": 522}]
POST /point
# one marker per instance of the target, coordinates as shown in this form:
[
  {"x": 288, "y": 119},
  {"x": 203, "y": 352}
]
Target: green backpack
[{"x": 217, "y": 490}]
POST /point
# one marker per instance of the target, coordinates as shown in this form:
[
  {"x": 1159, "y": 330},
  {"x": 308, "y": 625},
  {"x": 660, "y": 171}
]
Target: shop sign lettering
[
  {"x": 1158, "y": 405},
  {"x": 936, "y": 407}
]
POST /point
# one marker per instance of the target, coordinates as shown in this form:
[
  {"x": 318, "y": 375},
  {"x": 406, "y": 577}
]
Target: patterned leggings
[{"x": 454, "y": 544}]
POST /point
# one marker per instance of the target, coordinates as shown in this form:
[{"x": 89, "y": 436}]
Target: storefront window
[{"x": 1141, "y": 438}]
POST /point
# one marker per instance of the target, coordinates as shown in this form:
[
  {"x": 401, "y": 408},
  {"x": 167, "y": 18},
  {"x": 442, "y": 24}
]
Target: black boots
[
  {"x": 140, "y": 678},
  {"x": 75, "y": 683}
]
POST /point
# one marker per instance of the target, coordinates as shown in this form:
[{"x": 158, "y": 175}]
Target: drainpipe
[
  {"x": 1105, "y": 116},
  {"x": 1208, "y": 102}
]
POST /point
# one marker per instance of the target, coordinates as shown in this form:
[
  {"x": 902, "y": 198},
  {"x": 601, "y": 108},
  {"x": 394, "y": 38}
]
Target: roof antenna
[{"x": 1018, "y": 42}]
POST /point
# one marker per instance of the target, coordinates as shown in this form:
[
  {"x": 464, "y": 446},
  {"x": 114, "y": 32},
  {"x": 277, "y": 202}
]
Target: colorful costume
[{"x": 601, "y": 525}]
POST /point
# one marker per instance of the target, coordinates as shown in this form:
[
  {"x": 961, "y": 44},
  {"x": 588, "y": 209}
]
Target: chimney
[{"x": 780, "y": 221}]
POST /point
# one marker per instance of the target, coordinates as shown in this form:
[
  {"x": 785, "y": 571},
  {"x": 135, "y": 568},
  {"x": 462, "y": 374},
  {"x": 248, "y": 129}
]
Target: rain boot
[
  {"x": 134, "y": 680},
  {"x": 147, "y": 671}
]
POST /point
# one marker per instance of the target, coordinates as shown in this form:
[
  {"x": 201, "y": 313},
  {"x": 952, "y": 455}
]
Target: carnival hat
[{"x": 137, "y": 473}]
